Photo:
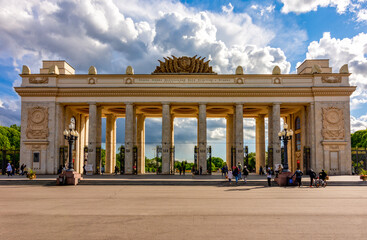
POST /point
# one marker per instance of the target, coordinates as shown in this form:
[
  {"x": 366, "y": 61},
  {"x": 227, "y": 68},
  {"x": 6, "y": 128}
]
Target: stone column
[
  {"x": 172, "y": 145},
  {"x": 229, "y": 138},
  {"x": 270, "y": 136},
  {"x": 82, "y": 142},
  {"x": 110, "y": 122},
  {"x": 166, "y": 138},
  {"x": 129, "y": 137},
  {"x": 310, "y": 132},
  {"x": 239, "y": 134},
  {"x": 202, "y": 143},
  {"x": 92, "y": 135},
  {"x": 59, "y": 136},
  {"x": 114, "y": 144},
  {"x": 277, "y": 158},
  {"x": 141, "y": 142},
  {"x": 99, "y": 137},
  {"x": 260, "y": 142}
]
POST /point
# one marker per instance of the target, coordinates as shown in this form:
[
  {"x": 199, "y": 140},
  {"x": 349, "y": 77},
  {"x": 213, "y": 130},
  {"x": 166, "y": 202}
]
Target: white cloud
[
  {"x": 362, "y": 15},
  {"x": 303, "y": 6},
  {"x": 359, "y": 123},
  {"x": 352, "y": 51}
]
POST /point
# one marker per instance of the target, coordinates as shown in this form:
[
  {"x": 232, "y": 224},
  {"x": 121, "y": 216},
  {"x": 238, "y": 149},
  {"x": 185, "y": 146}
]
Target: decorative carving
[
  {"x": 26, "y": 70},
  {"x": 344, "y": 69},
  {"x": 128, "y": 81},
  {"x": 91, "y": 81},
  {"x": 331, "y": 79},
  {"x": 316, "y": 69},
  {"x": 277, "y": 81},
  {"x": 276, "y": 70},
  {"x": 92, "y": 70},
  {"x": 239, "y": 70},
  {"x": 37, "y": 126},
  {"x": 38, "y": 80},
  {"x": 240, "y": 80},
  {"x": 184, "y": 65},
  {"x": 129, "y": 70},
  {"x": 333, "y": 123}
]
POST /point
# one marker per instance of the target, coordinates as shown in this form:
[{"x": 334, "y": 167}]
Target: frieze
[
  {"x": 184, "y": 65},
  {"x": 333, "y": 123},
  {"x": 331, "y": 79},
  {"x": 37, "y": 125},
  {"x": 185, "y": 81},
  {"x": 38, "y": 80}
]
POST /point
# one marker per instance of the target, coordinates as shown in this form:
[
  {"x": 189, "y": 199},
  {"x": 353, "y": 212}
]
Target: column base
[{"x": 68, "y": 178}]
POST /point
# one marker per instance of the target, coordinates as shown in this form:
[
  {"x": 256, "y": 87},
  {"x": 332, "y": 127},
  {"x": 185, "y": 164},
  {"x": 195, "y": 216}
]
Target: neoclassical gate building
[{"x": 314, "y": 103}]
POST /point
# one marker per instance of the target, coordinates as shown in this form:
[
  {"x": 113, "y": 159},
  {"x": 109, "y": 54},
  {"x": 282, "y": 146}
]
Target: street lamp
[
  {"x": 71, "y": 135},
  {"x": 285, "y": 135}
]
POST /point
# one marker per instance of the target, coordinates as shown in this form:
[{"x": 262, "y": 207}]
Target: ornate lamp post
[
  {"x": 285, "y": 136},
  {"x": 71, "y": 135}
]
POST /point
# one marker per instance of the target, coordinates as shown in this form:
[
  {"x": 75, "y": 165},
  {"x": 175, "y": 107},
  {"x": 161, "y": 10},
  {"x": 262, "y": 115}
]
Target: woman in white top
[{"x": 230, "y": 175}]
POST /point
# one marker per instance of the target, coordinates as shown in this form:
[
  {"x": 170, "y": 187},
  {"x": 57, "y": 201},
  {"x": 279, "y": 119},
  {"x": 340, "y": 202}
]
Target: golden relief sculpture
[{"x": 184, "y": 65}]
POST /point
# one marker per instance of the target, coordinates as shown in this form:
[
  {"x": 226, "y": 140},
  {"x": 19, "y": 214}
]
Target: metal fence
[{"x": 359, "y": 159}]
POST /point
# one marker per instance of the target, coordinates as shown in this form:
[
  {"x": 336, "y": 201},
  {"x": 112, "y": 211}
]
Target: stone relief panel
[
  {"x": 37, "y": 124},
  {"x": 333, "y": 123},
  {"x": 38, "y": 80},
  {"x": 331, "y": 79}
]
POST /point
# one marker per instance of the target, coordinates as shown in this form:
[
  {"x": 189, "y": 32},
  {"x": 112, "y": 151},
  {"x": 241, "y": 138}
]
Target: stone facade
[{"x": 314, "y": 102}]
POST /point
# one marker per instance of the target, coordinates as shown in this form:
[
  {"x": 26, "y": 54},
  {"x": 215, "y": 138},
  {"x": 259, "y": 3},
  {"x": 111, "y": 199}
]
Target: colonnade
[{"x": 89, "y": 125}]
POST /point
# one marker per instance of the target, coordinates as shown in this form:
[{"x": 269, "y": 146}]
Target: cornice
[{"x": 184, "y": 92}]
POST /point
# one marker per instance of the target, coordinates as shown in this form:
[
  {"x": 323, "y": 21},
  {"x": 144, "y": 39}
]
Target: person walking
[
  {"x": 245, "y": 174},
  {"x": 312, "y": 177},
  {"x": 268, "y": 176},
  {"x": 9, "y": 169},
  {"x": 299, "y": 175},
  {"x": 230, "y": 176}
]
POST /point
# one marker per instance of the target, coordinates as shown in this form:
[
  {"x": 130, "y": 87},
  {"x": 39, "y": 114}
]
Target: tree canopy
[
  {"x": 359, "y": 138},
  {"x": 10, "y": 137}
]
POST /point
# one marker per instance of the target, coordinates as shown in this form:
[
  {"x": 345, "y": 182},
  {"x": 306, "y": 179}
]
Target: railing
[{"x": 11, "y": 156}]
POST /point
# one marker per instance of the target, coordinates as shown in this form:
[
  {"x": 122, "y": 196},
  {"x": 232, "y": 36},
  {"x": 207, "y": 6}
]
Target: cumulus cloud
[
  {"x": 352, "y": 51},
  {"x": 359, "y": 123},
  {"x": 302, "y": 6}
]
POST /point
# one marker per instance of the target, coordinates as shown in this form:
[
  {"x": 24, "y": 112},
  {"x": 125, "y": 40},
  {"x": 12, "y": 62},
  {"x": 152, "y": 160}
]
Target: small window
[
  {"x": 36, "y": 157},
  {"x": 298, "y": 123},
  {"x": 298, "y": 142}
]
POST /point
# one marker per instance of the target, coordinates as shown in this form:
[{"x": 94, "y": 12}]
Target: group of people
[
  {"x": 237, "y": 172},
  {"x": 298, "y": 173},
  {"x": 11, "y": 170}
]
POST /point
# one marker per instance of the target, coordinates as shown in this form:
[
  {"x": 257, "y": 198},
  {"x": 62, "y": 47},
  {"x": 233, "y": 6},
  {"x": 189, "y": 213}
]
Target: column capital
[
  {"x": 92, "y": 103},
  {"x": 312, "y": 103},
  {"x": 202, "y": 103},
  {"x": 239, "y": 103},
  {"x": 129, "y": 103},
  {"x": 165, "y": 103},
  {"x": 276, "y": 103}
]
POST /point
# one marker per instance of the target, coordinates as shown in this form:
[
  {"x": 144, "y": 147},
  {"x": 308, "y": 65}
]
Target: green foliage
[
  {"x": 252, "y": 161},
  {"x": 103, "y": 157},
  {"x": 359, "y": 139},
  {"x": 10, "y": 137}
]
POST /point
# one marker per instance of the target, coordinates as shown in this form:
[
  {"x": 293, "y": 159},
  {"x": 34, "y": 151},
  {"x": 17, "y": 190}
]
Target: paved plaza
[{"x": 181, "y": 212}]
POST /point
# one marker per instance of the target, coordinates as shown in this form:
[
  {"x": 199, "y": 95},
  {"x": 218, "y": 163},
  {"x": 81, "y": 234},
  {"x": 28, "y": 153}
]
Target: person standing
[
  {"x": 12, "y": 170},
  {"x": 312, "y": 177},
  {"x": 116, "y": 170},
  {"x": 22, "y": 169},
  {"x": 235, "y": 174},
  {"x": 9, "y": 169},
  {"x": 239, "y": 170},
  {"x": 299, "y": 175},
  {"x": 201, "y": 170},
  {"x": 230, "y": 176},
  {"x": 268, "y": 176},
  {"x": 180, "y": 169},
  {"x": 261, "y": 170},
  {"x": 102, "y": 170},
  {"x": 183, "y": 167},
  {"x": 245, "y": 174}
]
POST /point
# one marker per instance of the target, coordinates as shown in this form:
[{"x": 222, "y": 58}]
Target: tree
[{"x": 359, "y": 138}]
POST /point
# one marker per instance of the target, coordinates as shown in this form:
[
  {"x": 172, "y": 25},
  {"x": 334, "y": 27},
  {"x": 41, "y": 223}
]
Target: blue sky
[{"x": 113, "y": 34}]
